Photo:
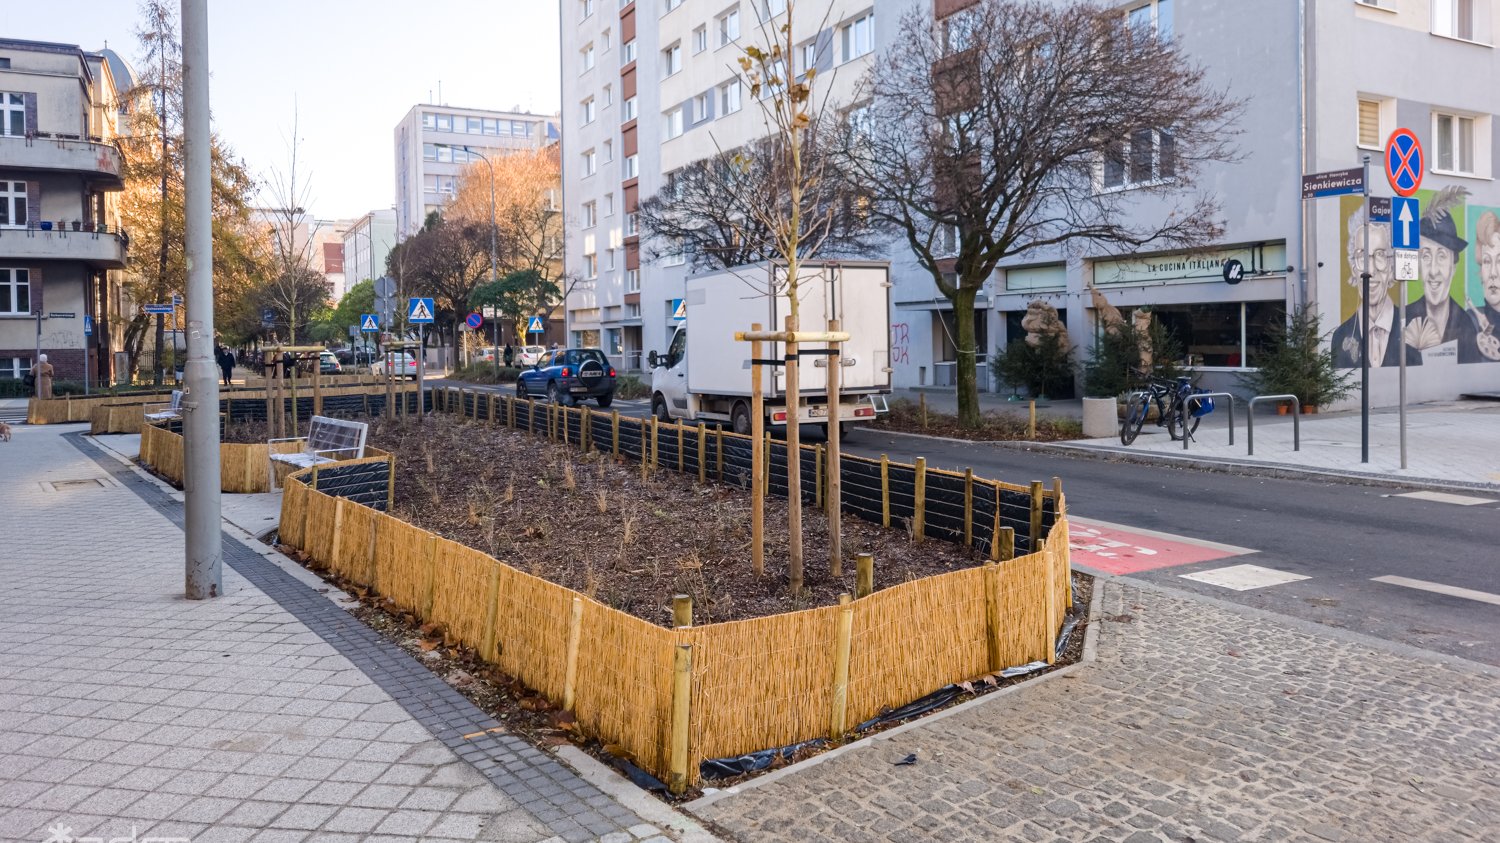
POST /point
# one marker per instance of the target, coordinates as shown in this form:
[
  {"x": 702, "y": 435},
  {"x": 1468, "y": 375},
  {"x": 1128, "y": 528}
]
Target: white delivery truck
[{"x": 705, "y": 373}]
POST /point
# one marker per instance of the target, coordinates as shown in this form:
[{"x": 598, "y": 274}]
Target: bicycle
[{"x": 1170, "y": 398}]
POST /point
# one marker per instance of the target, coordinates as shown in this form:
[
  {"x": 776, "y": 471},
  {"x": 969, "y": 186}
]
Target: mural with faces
[{"x": 1482, "y": 292}]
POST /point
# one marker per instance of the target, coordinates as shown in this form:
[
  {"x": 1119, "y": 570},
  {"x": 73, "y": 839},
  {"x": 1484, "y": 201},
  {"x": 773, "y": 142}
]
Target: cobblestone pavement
[
  {"x": 127, "y": 710},
  {"x": 1196, "y": 722}
]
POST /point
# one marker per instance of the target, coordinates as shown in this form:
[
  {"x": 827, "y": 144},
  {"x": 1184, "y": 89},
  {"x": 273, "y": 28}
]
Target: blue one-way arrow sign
[{"x": 1406, "y": 226}]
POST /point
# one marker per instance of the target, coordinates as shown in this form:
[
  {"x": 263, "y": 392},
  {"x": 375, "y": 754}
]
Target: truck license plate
[{"x": 818, "y": 412}]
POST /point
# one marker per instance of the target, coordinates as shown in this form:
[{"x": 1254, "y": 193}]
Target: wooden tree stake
[
  {"x": 839, "y": 706},
  {"x": 757, "y": 464},
  {"x": 702, "y": 452},
  {"x": 1036, "y": 516},
  {"x": 968, "y": 507},
  {"x": 682, "y": 610},
  {"x": 864, "y": 574},
  {"x": 682, "y": 688},
  {"x": 570, "y": 673},
  {"x": 885, "y": 491},
  {"x": 919, "y": 518}
]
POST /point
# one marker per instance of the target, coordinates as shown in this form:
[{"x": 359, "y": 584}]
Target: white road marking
[
  {"x": 1445, "y": 497},
  {"x": 1244, "y": 577},
  {"x": 1439, "y": 588}
]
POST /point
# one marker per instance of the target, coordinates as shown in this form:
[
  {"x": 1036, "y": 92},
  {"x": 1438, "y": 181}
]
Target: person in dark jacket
[{"x": 226, "y": 363}]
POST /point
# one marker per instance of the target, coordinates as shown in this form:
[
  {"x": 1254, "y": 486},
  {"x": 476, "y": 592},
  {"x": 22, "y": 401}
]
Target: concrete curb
[
  {"x": 618, "y": 788},
  {"x": 1090, "y": 652}
]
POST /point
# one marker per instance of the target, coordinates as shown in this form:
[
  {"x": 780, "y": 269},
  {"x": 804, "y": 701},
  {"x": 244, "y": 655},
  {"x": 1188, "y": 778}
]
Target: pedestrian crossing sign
[
  {"x": 369, "y": 324},
  {"x": 534, "y": 325},
  {"x": 419, "y": 312},
  {"x": 679, "y": 309}
]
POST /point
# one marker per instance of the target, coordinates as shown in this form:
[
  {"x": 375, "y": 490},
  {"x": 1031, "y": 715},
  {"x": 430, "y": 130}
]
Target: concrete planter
[{"x": 1100, "y": 418}]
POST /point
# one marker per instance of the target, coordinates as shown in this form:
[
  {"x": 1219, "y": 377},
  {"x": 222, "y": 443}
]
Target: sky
[{"x": 347, "y": 70}]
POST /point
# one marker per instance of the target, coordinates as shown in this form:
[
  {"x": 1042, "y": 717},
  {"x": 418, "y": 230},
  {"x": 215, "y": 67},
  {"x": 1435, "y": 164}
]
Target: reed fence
[
  {"x": 237, "y": 405},
  {"x": 244, "y": 468},
  {"x": 673, "y": 698}
]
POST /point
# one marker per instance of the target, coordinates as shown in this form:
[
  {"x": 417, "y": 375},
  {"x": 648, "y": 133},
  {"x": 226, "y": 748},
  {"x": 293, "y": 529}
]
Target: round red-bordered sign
[{"x": 1404, "y": 162}]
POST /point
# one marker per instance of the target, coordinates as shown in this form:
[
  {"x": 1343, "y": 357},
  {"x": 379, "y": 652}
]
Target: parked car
[
  {"x": 530, "y": 355},
  {"x": 401, "y": 364},
  {"x": 345, "y": 355},
  {"x": 569, "y": 376},
  {"x": 328, "y": 364}
]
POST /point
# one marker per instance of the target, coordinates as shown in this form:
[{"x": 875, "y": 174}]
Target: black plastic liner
[{"x": 723, "y": 768}]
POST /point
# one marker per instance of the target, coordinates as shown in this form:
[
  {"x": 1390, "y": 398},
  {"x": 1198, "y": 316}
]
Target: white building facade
[
  {"x": 432, "y": 143},
  {"x": 648, "y": 86},
  {"x": 368, "y": 240}
]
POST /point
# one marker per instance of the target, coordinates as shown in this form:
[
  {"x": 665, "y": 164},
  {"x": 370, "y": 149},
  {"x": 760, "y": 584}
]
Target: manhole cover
[{"x": 89, "y": 483}]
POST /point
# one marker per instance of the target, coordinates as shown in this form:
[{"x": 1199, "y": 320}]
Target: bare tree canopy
[
  {"x": 714, "y": 211},
  {"x": 1018, "y": 126},
  {"x": 447, "y": 260}
]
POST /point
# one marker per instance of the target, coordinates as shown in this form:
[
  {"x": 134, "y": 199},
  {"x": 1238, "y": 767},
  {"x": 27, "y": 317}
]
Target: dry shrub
[
  {"x": 602, "y": 501},
  {"x": 569, "y": 481}
]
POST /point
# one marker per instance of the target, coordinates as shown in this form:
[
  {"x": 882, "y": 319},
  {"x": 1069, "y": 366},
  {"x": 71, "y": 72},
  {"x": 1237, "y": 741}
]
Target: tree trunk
[{"x": 968, "y": 380}]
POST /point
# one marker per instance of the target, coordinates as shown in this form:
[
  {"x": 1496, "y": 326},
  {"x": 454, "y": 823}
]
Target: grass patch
[
  {"x": 630, "y": 386},
  {"x": 485, "y": 373}
]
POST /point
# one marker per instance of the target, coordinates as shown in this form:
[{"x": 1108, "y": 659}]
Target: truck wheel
[
  {"x": 739, "y": 418},
  {"x": 845, "y": 429},
  {"x": 659, "y": 409}
]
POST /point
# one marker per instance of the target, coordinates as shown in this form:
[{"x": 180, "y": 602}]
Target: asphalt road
[{"x": 1339, "y": 536}]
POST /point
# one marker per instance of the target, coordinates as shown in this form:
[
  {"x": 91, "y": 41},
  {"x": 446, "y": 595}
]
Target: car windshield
[
  {"x": 534, "y": 349},
  {"x": 578, "y": 356},
  {"x": 399, "y": 357}
]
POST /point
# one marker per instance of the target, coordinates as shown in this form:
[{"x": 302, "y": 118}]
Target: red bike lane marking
[{"x": 1115, "y": 549}]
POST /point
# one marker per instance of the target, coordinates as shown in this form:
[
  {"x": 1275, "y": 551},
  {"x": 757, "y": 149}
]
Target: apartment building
[
  {"x": 61, "y": 246},
  {"x": 434, "y": 143},
  {"x": 648, "y": 85},
  {"x": 367, "y": 242}
]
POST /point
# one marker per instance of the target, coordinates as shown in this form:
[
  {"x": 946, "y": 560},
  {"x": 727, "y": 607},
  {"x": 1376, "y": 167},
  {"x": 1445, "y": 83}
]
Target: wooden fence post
[
  {"x": 614, "y": 431},
  {"x": 968, "y": 507},
  {"x": 885, "y": 491},
  {"x": 372, "y": 576},
  {"x": 919, "y": 519},
  {"x": 1007, "y": 543},
  {"x": 338, "y": 534},
  {"x": 818, "y": 479},
  {"x": 719, "y": 459},
  {"x": 390, "y": 484},
  {"x": 491, "y": 609},
  {"x": 1036, "y": 515},
  {"x": 864, "y": 574},
  {"x": 655, "y": 443},
  {"x": 1031, "y": 424},
  {"x": 757, "y": 459},
  {"x": 682, "y": 610},
  {"x": 992, "y": 613},
  {"x": 1059, "y": 512},
  {"x": 430, "y": 581},
  {"x": 570, "y": 673},
  {"x": 531, "y": 416},
  {"x": 682, "y": 688},
  {"x": 493, "y": 398},
  {"x": 702, "y": 452},
  {"x": 839, "y": 708},
  {"x": 680, "y": 455},
  {"x": 995, "y": 530}
]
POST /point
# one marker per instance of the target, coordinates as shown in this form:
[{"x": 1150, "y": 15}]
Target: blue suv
[{"x": 569, "y": 376}]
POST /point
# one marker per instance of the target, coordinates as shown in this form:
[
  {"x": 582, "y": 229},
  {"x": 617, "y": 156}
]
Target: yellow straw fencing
[{"x": 244, "y": 468}]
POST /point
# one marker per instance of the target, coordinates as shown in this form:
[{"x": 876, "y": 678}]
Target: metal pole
[
  {"x": 421, "y": 365},
  {"x": 203, "y": 531},
  {"x": 1401, "y": 337},
  {"x": 1364, "y": 332}
]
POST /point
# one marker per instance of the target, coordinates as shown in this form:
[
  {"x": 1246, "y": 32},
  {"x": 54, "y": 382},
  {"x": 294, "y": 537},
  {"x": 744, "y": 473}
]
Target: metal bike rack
[
  {"x": 1187, "y": 407},
  {"x": 1296, "y": 420}
]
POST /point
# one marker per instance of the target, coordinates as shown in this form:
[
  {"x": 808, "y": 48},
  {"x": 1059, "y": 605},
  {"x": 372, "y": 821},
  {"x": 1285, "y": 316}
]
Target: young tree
[
  {"x": 446, "y": 260},
  {"x": 1023, "y": 127},
  {"x": 292, "y": 287}
]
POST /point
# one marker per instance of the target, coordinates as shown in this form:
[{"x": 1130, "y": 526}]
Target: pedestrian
[
  {"x": 226, "y": 364},
  {"x": 41, "y": 375},
  {"x": 510, "y": 355}
]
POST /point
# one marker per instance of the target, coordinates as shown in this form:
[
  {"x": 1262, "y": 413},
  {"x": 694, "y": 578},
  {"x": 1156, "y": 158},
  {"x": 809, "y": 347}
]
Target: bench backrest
[
  {"x": 346, "y": 437},
  {"x": 176, "y": 400}
]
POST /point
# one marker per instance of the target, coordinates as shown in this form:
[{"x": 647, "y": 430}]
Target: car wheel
[
  {"x": 739, "y": 418},
  {"x": 555, "y": 394},
  {"x": 605, "y": 400},
  {"x": 659, "y": 409},
  {"x": 520, "y": 388}
]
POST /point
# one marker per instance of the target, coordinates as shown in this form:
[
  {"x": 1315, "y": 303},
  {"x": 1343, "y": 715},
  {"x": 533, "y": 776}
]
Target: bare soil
[
  {"x": 995, "y": 425},
  {"x": 594, "y": 524}
]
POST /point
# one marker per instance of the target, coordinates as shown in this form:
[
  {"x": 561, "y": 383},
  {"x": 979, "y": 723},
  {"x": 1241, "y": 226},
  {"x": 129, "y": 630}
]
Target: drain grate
[{"x": 89, "y": 483}]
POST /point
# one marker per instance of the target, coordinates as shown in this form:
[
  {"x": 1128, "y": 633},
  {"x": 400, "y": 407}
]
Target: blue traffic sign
[
  {"x": 419, "y": 312},
  {"x": 535, "y": 326},
  {"x": 1406, "y": 223},
  {"x": 474, "y": 320},
  {"x": 369, "y": 323},
  {"x": 1404, "y": 162},
  {"x": 679, "y": 309},
  {"x": 160, "y": 309},
  {"x": 88, "y": 325}
]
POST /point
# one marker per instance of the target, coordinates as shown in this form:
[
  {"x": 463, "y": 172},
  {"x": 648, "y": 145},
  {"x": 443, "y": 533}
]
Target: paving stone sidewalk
[
  {"x": 1196, "y": 722},
  {"x": 128, "y": 710}
]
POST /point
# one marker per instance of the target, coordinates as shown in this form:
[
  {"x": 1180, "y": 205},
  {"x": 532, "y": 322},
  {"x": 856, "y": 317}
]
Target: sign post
[
  {"x": 419, "y": 312},
  {"x": 1404, "y": 165},
  {"x": 88, "y": 332}
]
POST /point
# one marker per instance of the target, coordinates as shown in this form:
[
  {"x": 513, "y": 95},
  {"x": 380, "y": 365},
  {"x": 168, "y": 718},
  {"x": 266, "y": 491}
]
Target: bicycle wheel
[
  {"x": 1177, "y": 420},
  {"x": 1136, "y": 410}
]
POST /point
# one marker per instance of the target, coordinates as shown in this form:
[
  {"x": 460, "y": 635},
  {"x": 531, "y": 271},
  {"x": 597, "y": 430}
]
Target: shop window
[{"x": 1220, "y": 334}]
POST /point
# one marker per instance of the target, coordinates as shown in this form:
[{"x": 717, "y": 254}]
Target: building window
[
  {"x": 609, "y": 95},
  {"x": 772, "y": 8},
  {"x": 627, "y": 52},
  {"x": 445, "y": 122},
  {"x": 476, "y": 125},
  {"x": 15, "y": 291},
  {"x": 590, "y": 266},
  {"x": 1453, "y": 139},
  {"x": 857, "y": 37},
  {"x": 632, "y": 280},
  {"x": 590, "y": 214},
  {"x": 672, "y": 4},
  {"x": 1453, "y": 18},
  {"x": 12, "y": 114},
  {"x": 729, "y": 26},
  {"x": 775, "y": 80},
  {"x": 1145, "y": 19},
  {"x": 590, "y": 162},
  {"x": 609, "y": 258},
  {"x": 631, "y": 167},
  {"x": 701, "y": 108},
  {"x": 588, "y": 8},
  {"x": 13, "y": 204},
  {"x": 587, "y": 54},
  {"x": 609, "y": 204},
  {"x": 588, "y": 111},
  {"x": 671, "y": 60},
  {"x": 809, "y": 55},
  {"x": 429, "y": 120},
  {"x": 609, "y": 151},
  {"x": 604, "y": 42},
  {"x": 1145, "y": 157},
  {"x": 729, "y": 97},
  {"x": 633, "y": 311},
  {"x": 429, "y": 152},
  {"x": 1225, "y": 334},
  {"x": 1369, "y": 123},
  {"x": 627, "y": 110},
  {"x": 700, "y": 39},
  {"x": 13, "y": 368},
  {"x": 674, "y": 123},
  {"x": 632, "y": 223}
]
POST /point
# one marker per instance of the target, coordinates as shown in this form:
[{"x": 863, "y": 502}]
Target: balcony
[
  {"x": 98, "y": 249},
  {"x": 100, "y": 162}
]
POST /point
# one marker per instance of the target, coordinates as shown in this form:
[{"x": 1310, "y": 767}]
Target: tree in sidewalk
[
  {"x": 1023, "y": 128},
  {"x": 151, "y": 204}
]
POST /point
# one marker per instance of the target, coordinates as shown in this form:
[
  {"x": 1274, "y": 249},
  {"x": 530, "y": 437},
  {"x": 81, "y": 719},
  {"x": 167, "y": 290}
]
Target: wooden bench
[
  {"x": 328, "y": 440},
  {"x": 173, "y": 410}
]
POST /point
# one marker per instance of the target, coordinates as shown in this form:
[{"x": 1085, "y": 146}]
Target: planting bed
[
  {"x": 995, "y": 426},
  {"x": 593, "y": 524}
]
